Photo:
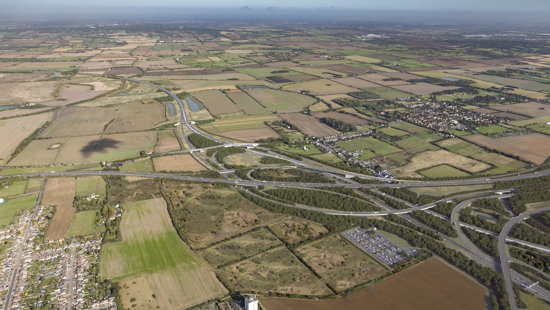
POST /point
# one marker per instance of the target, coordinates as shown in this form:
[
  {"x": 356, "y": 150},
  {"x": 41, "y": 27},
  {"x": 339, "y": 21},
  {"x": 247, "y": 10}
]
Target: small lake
[
  {"x": 252, "y": 87},
  {"x": 192, "y": 104},
  {"x": 5, "y": 107},
  {"x": 450, "y": 79},
  {"x": 172, "y": 110}
]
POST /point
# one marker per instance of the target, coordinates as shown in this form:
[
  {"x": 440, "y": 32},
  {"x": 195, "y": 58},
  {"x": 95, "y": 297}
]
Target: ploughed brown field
[
  {"x": 534, "y": 148},
  {"x": 60, "y": 192},
  {"x": 432, "y": 284},
  {"x": 309, "y": 125}
]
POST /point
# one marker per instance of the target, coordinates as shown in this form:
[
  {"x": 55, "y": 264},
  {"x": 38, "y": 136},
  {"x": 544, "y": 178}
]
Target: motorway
[{"x": 503, "y": 253}]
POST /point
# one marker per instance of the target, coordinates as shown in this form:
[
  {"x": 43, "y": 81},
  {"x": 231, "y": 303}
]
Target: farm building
[{"x": 251, "y": 303}]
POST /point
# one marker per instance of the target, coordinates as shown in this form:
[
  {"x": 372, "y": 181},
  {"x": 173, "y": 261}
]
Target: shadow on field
[{"x": 99, "y": 146}]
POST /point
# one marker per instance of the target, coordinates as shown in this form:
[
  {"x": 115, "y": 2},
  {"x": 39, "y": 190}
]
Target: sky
[{"x": 405, "y": 5}]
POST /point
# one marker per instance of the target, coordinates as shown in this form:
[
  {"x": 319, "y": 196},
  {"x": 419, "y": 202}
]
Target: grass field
[
  {"x": 442, "y": 171},
  {"x": 13, "y": 188},
  {"x": 363, "y": 59},
  {"x": 151, "y": 247},
  {"x": 238, "y": 123},
  {"x": 408, "y": 127},
  {"x": 216, "y": 102},
  {"x": 415, "y": 144},
  {"x": 14, "y": 131},
  {"x": 492, "y": 130},
  {"x": 83, "y": 224},
  {"x": 388, "y": 93},
  {"x": 322, "y": 73},
  {"x": 429, "y": 285},
  {"x": 393, "y": 132},
  {"x": 276, "y": 271},
  {"x": 60, "y": 192},
  {"x": 340, "y": 263},
  {"x": 280, "y": 101},
  {"x": 369, "y": 143},
  {"x": 248, "y": 245},
  {"x": 427, "y": 159},
  {"x": 247, "y": 103},
  {"x": 11, "y": 207},
  {"x": 501, "y": 163},
  {"x": 321, "y": 87},
  {"x": 532, "y": 302},
  {"x": 90, "y": 185},
  {"x": 139, "y": 165},
  {"x": 441, "y": 191},
  {"x": 39, "y": 153}
]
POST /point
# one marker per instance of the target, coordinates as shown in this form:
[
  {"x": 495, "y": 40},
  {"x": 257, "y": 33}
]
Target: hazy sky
[{"x": 463, "y": 5}]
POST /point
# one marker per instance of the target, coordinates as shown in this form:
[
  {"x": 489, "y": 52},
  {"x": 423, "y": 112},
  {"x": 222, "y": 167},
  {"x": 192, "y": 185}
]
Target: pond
[
  {"x": 5, "y": 107},
  {"x": 192, "y": 104}
]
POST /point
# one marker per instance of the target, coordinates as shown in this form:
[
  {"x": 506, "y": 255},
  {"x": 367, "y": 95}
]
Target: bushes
[
  {"x": 487, "y": 243},
  {"x": 321, "y": 199},
  {"x": 529, "y": 234},
  {"x": 435, "y": 222},
  {"x": 338, "y": 124}
]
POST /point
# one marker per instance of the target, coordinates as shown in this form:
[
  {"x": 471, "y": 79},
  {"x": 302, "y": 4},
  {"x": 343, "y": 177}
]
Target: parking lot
[{"x": 381, "y": 247}]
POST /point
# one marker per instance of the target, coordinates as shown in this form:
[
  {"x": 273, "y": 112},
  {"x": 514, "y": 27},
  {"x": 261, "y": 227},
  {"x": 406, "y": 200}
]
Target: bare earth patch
[
  {"x": 60, "y": 192},
  {"x": 534, "y": 148},
  {"x": 184, "y": 162}
]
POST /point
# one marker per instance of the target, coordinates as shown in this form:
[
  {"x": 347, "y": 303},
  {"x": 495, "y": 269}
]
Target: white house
[{"x": 251, "y": 303}]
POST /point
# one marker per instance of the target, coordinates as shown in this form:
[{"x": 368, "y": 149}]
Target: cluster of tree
[
  {"x": 29, "y": 139},
  {"x": 285, "y": 124},
  {"x": 466, "y": 216},
  {"x": 399, "y": 220},
  {"x": 532, "y": 257},
  {"x": 268, "y": 160},
  {"x": 439, "y": 224},
  {"x": 82, "y": 204},
  {"x": 223, "y": 152},
  {"x": 540, "y": 221},
  {"x": 364, "y": 95},
  {"x": 408, "y": 195},
  {"x": 321, "y": 199},
  {"x": 338, "y": 124},
  {"x": 530, "y": 234},
  {"x": 387, "y": 200},
  {"x": 530, "y": 190},
  {"x": 488, "y": 99},
  {"x": 290, "y": 175},
  {"x": 375, "y": 105},
  {"x": 493, "y": 204},
  {"x": 445, "y": 208},
  {"x": 487, "y": 243},
  {"x": 199, "y": 141},
  {"x": 278, "y": 79}
]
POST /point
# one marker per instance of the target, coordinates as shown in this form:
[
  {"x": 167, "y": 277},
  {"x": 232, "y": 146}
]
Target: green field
[
  {"x": 443, "y": 171},
  {"x": 13, "y": 189},
  {"x": 407, "y": 63},
  {"x": 281, "y": 101},
  {"x": 83, "y": 224},
  {"x": 395, "y": 239},
  {"x": 415, "y": 144},
  {"x": 393, "y": 132},
  {"x": 247, "y": 104},
  {"x": 388, "y": 93},
  {"x": 90, "y": 185},
  {"x": 311, "y": 149},
  {"x": 369, "y": 143},
  {"x": 492, "y": 130},
  {"x": 540, "y": 127},
  {"x": 139, "y": 165},
  {"x": 441, "y": 191},
  {"x": 265, "y": 71},
  {"x": 238, "y": 123},
  {"x": 408, "y": 127},
  {"x": 10, "y": 208},
  {"x": 533, "y": 303}
]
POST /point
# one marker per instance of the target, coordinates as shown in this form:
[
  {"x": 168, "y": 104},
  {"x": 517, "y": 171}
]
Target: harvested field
[
  {"x": 355, "y": 82},
  {"x": 44, "y": 65},
  {"x": 183, "y": 162},
  {"x": 534, "y": 148},
  {"x": 71, "y": 93},
  {"x": 340, "y": 263},
  {"x": 429, "y": 285},
  {"x": 348, "y": 69},
  {"x": 329, "y": 99},
  {"x": 250, "y": 135},
  {"x": 440, "y": 157},
  {"x": 322, "y": 73},
  {"x": 123, "y": 70},
  {"x": 403, "y": 76},
  {"x": 274, "y": 271},
  {"x": 151, "y": 247},
  {"x": 423, "y": 89},
  {"x": 321, "y": 87},
  {"x": 167, "y": 142},
  {"x": 216, "y": 102},
  {"x": 14, "y": 131},
  {"x": 280, "y": 101},
  {"x": 38, "y": 153},
  {"x": 532, "y": 109},
  {"x": 295, "y": 230},
  {"x": 309, "y": 125},
  {"x": 247, "y": 104},
  {"x": 60, "y": 192},
  {"x": 319, "y": 107},
  {"x": 27, "y": 92},
  {"x": 20, "y": 112},
  {"x": 350, "y": 119},
  {"x": 135, "y": 117},
  {"x": 89, "y": 149}
]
